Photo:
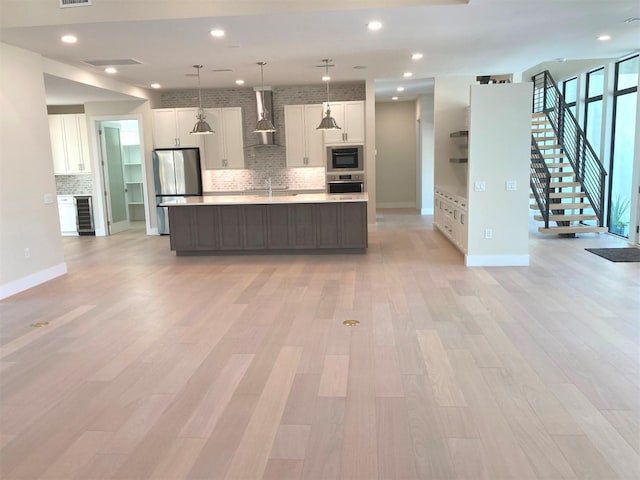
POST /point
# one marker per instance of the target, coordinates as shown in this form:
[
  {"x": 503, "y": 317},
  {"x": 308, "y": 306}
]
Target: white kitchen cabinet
[
  {"x": 224, "y": 149},
  {"x": 67, "y": 214},
  {"x": 305, "y": 147},
  {"x": 69, "y": 144},
  {"x": 350, "y": 118},
  {"x": 171, "y": 127}
]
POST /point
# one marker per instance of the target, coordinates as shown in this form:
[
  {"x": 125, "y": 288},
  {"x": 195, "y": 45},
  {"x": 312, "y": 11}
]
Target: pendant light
[
  {"x": 264, "y": 125},
  {"x": 201, "y": 127},
  {"x": 328, "y": 122}
]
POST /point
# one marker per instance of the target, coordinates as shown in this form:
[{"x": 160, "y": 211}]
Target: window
[
  {"x": 570, "y": 93},
  {"x": 622, "y": 145},
  {"x": 593, "y": 109}
]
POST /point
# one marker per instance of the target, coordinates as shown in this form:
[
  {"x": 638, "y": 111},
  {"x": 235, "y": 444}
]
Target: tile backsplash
[
  {"x": 263, "y": 161},
  {"x": 74, "y": 185}
]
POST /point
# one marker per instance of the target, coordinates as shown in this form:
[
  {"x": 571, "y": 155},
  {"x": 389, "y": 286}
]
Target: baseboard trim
[
  {"x": 496, "y": 260},
  {"x": 30, "y": 281},
  {"x": 396, "y": 205},
  {"x": 426, "y": 211}
]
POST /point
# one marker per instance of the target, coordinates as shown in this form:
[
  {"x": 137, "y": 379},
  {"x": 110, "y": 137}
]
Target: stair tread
[
  {"x": 549, "y": 147},
  {"x": 568, "y": 218},
  {"x": 560, "y": 165},
  {"x": 554, "y": 155},
  {"x": 566, "y": 173},
  {"x": 564, "y": 184},
  {"x": 575, "y": 229},
  {"x": 562, "y": 207},
  {"x": 541, "y": 130}
]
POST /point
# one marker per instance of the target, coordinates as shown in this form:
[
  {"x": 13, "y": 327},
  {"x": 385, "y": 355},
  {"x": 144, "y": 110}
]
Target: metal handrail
[
  {"x": 587, "y": 166},
  {"x": 540, "y": 180}
]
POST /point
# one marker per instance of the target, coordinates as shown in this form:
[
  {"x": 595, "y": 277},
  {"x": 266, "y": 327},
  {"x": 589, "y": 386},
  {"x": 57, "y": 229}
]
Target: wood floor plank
[
  {"x": 387, "y": 376},
  {"x": 584, "y": 458},
  {"x": 445, "y": 388},
  {"x": 204, "y": 418},
  {"x": 250, "y": 460},
  {"x": 279, "y": 469},
  {"x": 359, "y": 446},
  {"x": 335, "y": 376},
  {"x": 179, "y": 460},
  {"x": 323, "y": 455},
  {"x": 469, "y": 459},
  {"x": 614, "y": 448},
  {"x": 429, "y": 442},
  {"x": 395, "y": 452},
  {"x": 78, "y": 455},
  {"x": 290, "y": 442}
]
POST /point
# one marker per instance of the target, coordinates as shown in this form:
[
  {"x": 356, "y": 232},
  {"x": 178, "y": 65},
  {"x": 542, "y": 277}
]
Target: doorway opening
[{"x": 122, "y": 176}]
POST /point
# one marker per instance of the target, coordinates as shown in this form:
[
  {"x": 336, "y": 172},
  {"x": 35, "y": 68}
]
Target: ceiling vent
[
  {"x": 74, "y": 3},
  {"x": 112, "y": 63}
]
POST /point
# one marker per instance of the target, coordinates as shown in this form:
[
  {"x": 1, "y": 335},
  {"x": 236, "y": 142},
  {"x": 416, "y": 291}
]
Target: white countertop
[{"x": 266, "y": 200}]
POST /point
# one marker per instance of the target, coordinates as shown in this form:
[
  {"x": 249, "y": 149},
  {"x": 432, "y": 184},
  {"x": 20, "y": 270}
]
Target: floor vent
[{"x": 74, "y": 3}]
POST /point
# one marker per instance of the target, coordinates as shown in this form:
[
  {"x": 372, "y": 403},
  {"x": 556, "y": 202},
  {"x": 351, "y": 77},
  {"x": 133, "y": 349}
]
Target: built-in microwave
[{"x": 342, "y": 159}]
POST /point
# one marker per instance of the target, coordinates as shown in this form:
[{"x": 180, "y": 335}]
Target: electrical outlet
[
  {"x": 511, "y": 185},
  {"x": 488, "y": 233},
  {"x": 27, "y": 252},
  {"x": 479, "y": 186}
]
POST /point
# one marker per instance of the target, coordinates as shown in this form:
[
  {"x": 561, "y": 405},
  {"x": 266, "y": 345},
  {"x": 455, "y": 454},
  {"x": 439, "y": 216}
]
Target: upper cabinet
[
  {"x": 69, "y": 144},
  {"x": 172, "y": 127},
  {"x": 224, "y": 149},
  {"x": 350, "y": 118},
  {"x": 304, "y": 142}
]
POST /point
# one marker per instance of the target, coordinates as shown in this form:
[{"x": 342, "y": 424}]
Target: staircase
[{"x": 567, "y": 178}]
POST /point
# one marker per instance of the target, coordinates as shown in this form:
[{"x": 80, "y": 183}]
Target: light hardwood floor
[{"x": 158, "y": 367}]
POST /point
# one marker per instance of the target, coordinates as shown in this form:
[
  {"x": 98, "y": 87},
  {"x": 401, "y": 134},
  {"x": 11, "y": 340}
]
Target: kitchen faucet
[{"x": 267, "y": 183}]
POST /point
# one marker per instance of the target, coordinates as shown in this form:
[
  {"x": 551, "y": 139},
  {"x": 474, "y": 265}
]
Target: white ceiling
[{"x": 481, "y": 37}]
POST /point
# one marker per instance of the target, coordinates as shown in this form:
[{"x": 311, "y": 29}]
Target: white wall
[
  {"x": 370, "y": 150},
  {"x": 426, "y": 172},
  {"x": 499, "y": 150},
  {"x": 26, "y": 176},
  {"x": 396, "y": 154},
  {"x": 450, "y": 99}
]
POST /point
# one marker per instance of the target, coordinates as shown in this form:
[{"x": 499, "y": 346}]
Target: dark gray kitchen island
[{"x": 315, "y": 222}]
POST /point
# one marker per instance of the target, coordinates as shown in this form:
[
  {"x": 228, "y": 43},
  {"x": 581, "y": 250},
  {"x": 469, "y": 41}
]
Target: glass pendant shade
[
  {"x": 328, "y": 122},
  {"x": 201, "y": 127}
]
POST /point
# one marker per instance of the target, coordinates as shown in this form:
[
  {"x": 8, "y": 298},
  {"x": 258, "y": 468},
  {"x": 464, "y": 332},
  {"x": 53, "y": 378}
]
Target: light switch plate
[
  {"x": 48, "y": 198},
  {"x": 511, "y": 185},
  {"x": 479, "y": 186}
]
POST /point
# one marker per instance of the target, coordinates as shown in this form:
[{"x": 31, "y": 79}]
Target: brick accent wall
[{"x": 263, "y": 161}]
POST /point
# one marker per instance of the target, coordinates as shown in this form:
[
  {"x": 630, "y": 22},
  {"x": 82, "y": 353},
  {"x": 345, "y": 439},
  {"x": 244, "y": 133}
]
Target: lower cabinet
[{"x": 202, "y": 228}]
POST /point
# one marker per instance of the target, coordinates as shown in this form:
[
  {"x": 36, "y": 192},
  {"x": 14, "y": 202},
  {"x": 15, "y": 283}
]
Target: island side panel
[
  {"x": 255, "y": 227},
  {"x": 303, "y": 226},
  {"x": 328, "y": 225},
  {"x": 354, "y": 225},
  {"x": 279, "y": 234}
]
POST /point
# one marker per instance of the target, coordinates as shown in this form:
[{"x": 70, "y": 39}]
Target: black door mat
[{"x": 617, "y": 254}]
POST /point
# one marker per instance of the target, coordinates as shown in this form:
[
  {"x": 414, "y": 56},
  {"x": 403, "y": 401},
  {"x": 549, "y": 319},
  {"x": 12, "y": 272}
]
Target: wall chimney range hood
[{"x": 264, "y": 96}]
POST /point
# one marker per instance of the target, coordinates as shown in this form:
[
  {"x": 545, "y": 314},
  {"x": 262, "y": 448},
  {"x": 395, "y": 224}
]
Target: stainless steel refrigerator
[{"x": 176, "y": 173}]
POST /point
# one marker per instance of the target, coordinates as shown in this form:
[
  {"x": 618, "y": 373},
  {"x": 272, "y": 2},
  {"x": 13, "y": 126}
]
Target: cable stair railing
[{"x": 568, "y": 155}]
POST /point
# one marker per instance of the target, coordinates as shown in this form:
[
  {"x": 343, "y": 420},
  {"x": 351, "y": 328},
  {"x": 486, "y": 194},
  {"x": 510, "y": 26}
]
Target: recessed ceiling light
[
  {"x": 111, "y": 70},
  {"x": 400, "y": 89},
  {"x": 239, "y": 82},
  {"x": 69, "y": 39},
  {"x": 407, "y": 74},
  {"x": 416, "y": 56},
  {"x": 604, "y": 38},
  {"x": 326, "y": 78},
  {"x": 374, "y": 26},
  {"x": 216, "y": 32},
  {"x": 155, "y": 85},
  {"x": 394, "y": 98}
]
